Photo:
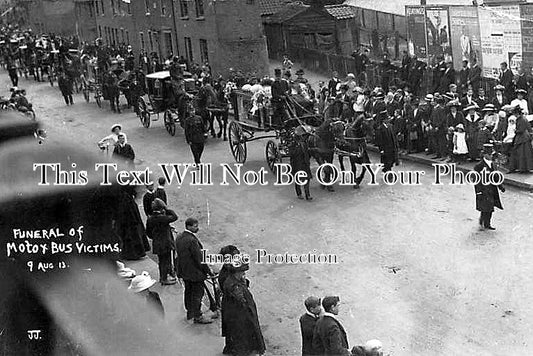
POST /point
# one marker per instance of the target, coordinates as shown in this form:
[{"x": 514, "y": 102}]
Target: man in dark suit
[
  {"x": 158, "y": 229},
  {"x": 329, "y": 335},
  {"x": 463, "y": 77},
  {"x": 148, "y": 198},
  {"x": 448, "y": 77},
  {"x": 160, "y": 191},
  {"x": 195, "y": 135},
  {"x": 307, "y": 326},
  {"x": 487, "y": 195},
  {"x": 388, "y": 145},
  {"x": 332, "y": 84},
  {"x": 506, "y": 79},
  {"x": 123, "y": 151},
  {"x": 438, "y": 72},
  {"x": 192, "y": 270},
  {"x": 474, "y": 76}
]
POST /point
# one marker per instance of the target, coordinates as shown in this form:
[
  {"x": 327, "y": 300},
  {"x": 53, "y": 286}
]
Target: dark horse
[
  {"x": 352, "y": 144},
  {"x": 321, "y": 145}
]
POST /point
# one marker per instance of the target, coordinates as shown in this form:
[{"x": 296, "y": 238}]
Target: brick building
[
  {"x": 115, "y": 22},
  {"x": 52, "y": 16},
  {"x": 85, "y": 11},
  {"x": 155, "y": 27},
  {"x": 225, "y": 33}
]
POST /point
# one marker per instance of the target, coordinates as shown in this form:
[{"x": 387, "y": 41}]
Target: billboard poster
[
  {"x": 438, "y": 34},
  {"x": 526, "y": 13},
  {"x": 465, "y": 36},
  {"x": 416, "y": 31},
  {"x": 501, "y": 38}
]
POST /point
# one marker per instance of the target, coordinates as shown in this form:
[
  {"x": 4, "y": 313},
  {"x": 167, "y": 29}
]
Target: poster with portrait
[
  {"x": 416, "y": 30},
  {"x": 465, "y": 36},
  {"x": 438, "y": 34},
  {"x": 501, "y": 38}
]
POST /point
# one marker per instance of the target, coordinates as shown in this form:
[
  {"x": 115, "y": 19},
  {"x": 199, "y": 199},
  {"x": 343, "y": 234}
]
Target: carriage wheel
[
  {"x": 170, "y": 125},
  {"x": 237, "y": 142},
  {"x": 273, "y": 155},
  {"x": 145, "y": 118}
]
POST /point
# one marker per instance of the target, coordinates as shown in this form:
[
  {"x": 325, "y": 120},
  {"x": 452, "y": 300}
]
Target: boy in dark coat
[
  {"x": 123, "y": 151},
  {"x": 329, "y": 335},
  {"x": 307, "y": 325},
  {"x": 158, "y": 229},
  {"x": 487, "y": 196},
  {"x": 148, "y": 198}
]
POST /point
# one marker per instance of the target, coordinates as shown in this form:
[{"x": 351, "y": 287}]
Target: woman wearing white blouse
[{"x": 112, "y": 139}]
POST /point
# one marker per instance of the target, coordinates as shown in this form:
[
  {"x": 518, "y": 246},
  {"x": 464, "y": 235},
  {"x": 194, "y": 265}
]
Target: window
[
  {"x": 128, "y": 7},
  {"x": 97, "y": 8},
  {"x": 163, "y": 8},
  {"x": 204, "y": 54},
  {"x": 127, "y": 37},
  {"x": 188, "y": 49},
  {"x": 113, "y": 9},
  {"x": 102, "y": 7},
  {"x": 167, "y": 38},
  {"x": 122, "y": 35},
  {"x": 184, "y": 9},
  {"x": 115, "y": 40},
  {"x": 151, "y": 41},
  {"x": 141, "y": 40},
  {"x": 199, "y": 8},
  {"x": 99, "y": 31},
  {"x": 147, "y": 6}
]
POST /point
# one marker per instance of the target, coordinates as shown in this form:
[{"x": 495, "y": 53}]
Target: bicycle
[{"x": 212, "y": 295}]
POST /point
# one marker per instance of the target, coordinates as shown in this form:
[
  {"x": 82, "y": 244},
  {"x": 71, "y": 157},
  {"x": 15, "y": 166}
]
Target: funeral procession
[{"x": 266, "y": 177}]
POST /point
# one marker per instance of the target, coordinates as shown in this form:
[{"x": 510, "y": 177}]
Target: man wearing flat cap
[{"x": 487, "y": 195}]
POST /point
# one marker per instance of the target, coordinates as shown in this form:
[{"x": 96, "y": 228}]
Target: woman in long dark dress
[
  {"x": 522, "y": 151},
  {"x": 129, "y": 226},
  {"x": 240, "y": 322}
]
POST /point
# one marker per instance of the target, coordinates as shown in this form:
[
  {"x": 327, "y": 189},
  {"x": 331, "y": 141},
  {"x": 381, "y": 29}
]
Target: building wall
[
  {"x": 58, "y": 17},
  {"x": 85, "y": 20},
  {"x": 116, "y": 24},
  {"x": 154, "y": 19},
  {"x": 232, "y": 31}
]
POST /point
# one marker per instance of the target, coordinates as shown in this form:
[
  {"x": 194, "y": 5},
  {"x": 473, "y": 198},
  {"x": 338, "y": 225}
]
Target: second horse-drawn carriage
[{"x": 160, "y": 98}]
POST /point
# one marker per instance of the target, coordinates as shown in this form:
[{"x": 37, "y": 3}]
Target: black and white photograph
[{"x": 266, "y": 177}]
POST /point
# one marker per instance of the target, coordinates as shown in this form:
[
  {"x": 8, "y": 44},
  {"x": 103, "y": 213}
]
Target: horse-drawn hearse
[
  {"x": 326, "y": 136},
  {"x": 91, "y": 82},
  {"x": 160, "y": 98}
]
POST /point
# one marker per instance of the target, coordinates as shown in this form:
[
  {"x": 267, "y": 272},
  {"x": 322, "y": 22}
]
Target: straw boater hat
[
  {"x": 460, "y": 126},
  {"x": 429, "y": 97},
  {"x": 300, "y": 72},
  {"x": 115, "y": 126},
  {"x": 141, "y": 282},
  {"x": 499, "y": 87},
  {"x": 454, "y": 103},
  {"x": 488, "y": 148},
  {"x": 521, "y": 91},
  {"x": 489, "y": 107},
  {"x": 471, "y": 107}
]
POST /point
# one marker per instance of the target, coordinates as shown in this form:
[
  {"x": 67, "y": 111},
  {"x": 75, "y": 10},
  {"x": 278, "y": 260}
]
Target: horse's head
[{"x": 337, "y": 129}]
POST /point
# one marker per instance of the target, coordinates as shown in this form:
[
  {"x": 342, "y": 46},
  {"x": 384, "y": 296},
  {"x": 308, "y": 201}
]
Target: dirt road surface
[{"x": 413, "y": 270}]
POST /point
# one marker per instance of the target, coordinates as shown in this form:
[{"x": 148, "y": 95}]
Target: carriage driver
[{"x": 280, "y": 90}]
